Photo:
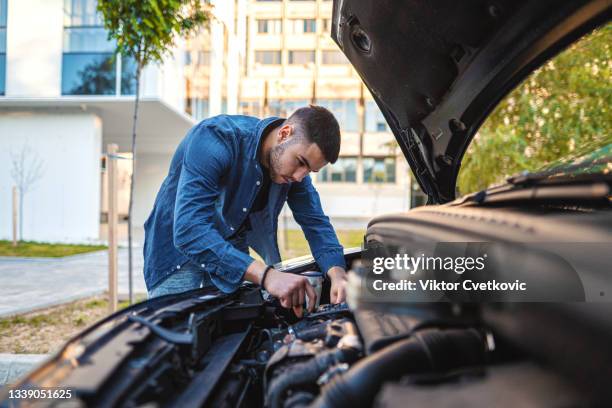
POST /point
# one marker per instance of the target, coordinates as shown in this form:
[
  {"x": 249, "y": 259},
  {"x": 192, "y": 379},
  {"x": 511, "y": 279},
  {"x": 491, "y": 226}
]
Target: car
[{"x": 437, "y": 69}]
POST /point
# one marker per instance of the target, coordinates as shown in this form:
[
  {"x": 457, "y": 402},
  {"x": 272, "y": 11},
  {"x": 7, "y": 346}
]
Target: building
[
  {"x": 281, "y": 57},
  {"x": 63, "y": 99}
]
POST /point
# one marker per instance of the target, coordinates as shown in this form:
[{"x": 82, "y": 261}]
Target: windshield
[{"x": 556, "y": 122}]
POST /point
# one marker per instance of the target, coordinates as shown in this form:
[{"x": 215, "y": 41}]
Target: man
[{"x": 227, "y": 184}]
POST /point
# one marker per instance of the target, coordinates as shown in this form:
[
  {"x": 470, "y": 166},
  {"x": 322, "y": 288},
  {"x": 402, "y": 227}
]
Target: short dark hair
[{"x": 319, "y": 126}]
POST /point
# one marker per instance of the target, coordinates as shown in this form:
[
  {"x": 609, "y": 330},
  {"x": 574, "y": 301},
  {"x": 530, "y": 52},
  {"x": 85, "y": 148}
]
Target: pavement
[
  {"x": 28, "y": 284},
  {"x": 14, "y": 366}
]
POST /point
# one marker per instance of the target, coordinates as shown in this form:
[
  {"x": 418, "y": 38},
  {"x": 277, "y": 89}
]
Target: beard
[{"x": 274, "y": 159}]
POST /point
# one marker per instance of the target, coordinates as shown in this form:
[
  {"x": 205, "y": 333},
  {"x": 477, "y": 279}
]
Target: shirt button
[
  {"x": 244, "y": 210},
  {"x": 203, "y": 265},
  {"x": 232, "y": 228},
  {"x": 258, "y": 182},
  {"x": 178, "y": 266}
]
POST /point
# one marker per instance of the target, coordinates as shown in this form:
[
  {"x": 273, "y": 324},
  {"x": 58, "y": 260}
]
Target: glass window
[
  {"x": 374, "y": 119},
  {"x": 128, "y": 76},
  {"x": 87, "y": 39},
  {"x": 288, "y": 107},
  {"x": 268, "y": 57},
  {"x": 326, "y": 25},
  {"x": 269, "y": 26},
  {"x": 3, "y": 19},
  {"x": 301, "y": 57},
  {"x": 345, "y": 111},
  {"x": 88, "y": 74},
  {"x": 251, "y": 108},
  {"x": 2, "y": 73},
  {"x": 89, "y": 66},
  {"x": 81, "y": 13},
  {"x": 303, "y": 25},
  {"x": 344, "y": 170},
  {"x": 200, "y": 57},
  {"x": 379, "y": 169},
  {"x": 331, "y": 57},
  {"x": 560, "y": 111}
]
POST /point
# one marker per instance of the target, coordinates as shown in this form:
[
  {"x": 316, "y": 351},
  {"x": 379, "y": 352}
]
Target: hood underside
[{"x": 437, "y": 68}]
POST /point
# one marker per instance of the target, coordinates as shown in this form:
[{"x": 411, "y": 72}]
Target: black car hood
[{"x": 436, "y": 68}]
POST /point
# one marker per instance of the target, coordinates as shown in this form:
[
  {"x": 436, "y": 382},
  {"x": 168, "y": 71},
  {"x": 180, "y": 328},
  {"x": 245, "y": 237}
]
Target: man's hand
[
  {"x": 290, "y": 289},
  {"x": 337, "y": 276}
]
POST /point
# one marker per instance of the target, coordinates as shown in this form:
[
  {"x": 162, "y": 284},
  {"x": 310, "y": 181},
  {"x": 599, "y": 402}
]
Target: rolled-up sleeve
[
  {"x": 306, "y": 207},
  {"x": 207, "y": 158}
]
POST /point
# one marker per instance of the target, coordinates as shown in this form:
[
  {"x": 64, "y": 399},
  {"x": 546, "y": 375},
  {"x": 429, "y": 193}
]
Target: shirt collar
[{"x": 261, "y": 127}]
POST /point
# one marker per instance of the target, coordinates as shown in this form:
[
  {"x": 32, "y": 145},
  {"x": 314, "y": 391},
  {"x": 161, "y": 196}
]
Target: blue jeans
[{"x": 189, "y": 277}]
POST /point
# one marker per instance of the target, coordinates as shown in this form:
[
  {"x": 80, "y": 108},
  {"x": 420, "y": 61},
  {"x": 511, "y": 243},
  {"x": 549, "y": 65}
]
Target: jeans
[{"x": 189, "y": 277}]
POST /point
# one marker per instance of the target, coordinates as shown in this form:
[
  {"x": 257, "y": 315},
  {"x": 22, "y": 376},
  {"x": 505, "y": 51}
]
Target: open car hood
[{"x": 437, "y": 68}]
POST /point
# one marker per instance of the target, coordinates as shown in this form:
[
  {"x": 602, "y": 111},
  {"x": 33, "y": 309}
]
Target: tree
[
  {"x": 559, "y": 108},
  {"x": 146, "y": 31},
  {"x": 27, "y": 169}
]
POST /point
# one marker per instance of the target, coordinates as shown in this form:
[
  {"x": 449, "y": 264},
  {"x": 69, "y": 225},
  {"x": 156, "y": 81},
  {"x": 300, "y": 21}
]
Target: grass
[
  {"x": 298, "y": 246},
  {"x": 43, "y": 250},
  {"x": 46, "y": 330}
]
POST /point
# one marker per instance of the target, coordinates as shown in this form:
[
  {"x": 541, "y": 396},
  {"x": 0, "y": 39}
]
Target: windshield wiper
[{"x": 537, "y": 190}]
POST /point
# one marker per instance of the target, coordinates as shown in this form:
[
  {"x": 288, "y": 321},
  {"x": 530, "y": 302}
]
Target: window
[
  {"x": 269, "y": 26},
  {"x": 561, "y": 111},
  {"x": 301, "y": 57},
  {"x": 326, "y": 25},
  {"x": 379, "y": 170},
  {"x": 374, "y": 119},
  {"x": 3, "y": 19},
  {"x": 284, "y": 108},
  {"x": 268, "y": 57},
  {"x": 200, "y": 57},
  {"x": 303, "y": 25},
  {"x": 417, "y": 197},
  {"x": 345, "y": 111},
  {"x": 89, "y": 66},
  {"x": 251, "y": 108},
  {"x": 344, "y": 170},
  {"x": 333, "y": 57},
  {"x": 198, "y": 107}
]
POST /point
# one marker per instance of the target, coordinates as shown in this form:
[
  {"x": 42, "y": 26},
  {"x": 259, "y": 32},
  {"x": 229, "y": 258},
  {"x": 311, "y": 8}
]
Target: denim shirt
[{"x": 212, "y": 183}]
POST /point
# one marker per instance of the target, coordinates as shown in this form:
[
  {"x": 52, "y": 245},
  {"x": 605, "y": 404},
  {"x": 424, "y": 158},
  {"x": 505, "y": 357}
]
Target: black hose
[
  {"x": 425, "y": 351},
  {"x": 299, "y": 374}
]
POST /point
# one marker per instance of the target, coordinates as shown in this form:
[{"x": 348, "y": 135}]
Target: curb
[{"x": 15, "y": 366}]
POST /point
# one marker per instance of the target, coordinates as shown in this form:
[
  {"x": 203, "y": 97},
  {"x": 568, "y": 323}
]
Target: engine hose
[
  {"x": 425, "y": 351},
  {"x": 308, "y": 372}
]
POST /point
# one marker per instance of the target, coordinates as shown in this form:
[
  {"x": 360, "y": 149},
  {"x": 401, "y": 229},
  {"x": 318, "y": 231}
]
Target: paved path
[
  {"x": 32, "y": 283},
  {"x": 15, "y": 366}
]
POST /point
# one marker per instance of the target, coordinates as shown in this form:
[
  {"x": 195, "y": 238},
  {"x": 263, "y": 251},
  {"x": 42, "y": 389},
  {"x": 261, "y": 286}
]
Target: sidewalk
[
  {"x": 14, "y": 366},
  {"x": 32, "y": 283}
]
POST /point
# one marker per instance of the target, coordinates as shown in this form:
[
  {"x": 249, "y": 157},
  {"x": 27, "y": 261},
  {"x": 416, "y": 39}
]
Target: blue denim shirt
[{"x": 212, "y": 183}]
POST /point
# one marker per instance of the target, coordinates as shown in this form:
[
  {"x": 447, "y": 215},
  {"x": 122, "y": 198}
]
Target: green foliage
[
  {"x": 559, "y": 108},
  {"x": 44, "y": 250},
  {"x": 146, "y": 30}
]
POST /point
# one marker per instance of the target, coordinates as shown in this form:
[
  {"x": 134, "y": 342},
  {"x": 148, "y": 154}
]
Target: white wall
[
  {"x": 151, "y": 170},
  {"x": 64, "y": 205},
  {"x": 34, "y": 48}
]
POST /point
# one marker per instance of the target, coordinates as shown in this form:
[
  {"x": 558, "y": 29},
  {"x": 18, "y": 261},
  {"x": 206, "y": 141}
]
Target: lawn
[
  {"x": 39, "y": 249},
  {"x": 298, "y": 246}
]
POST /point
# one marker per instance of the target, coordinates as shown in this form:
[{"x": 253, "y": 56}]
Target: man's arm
[
  {"x": 306, "y": 207},
  {"x": 206, "y": 159}
]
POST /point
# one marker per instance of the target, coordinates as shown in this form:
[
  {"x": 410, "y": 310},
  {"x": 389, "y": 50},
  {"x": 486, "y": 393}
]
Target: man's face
[{"x": 293, "y": 157}]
